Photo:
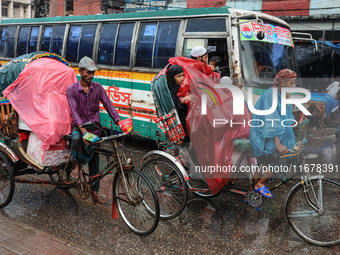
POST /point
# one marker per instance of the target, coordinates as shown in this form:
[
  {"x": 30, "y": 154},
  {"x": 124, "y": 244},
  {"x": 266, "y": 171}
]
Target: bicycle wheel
[
  {"x": 6, "y": 181},
  {"x": 314, "y": 227},
  {"x": 169, "y": 184},
  {"x": 136, "y": 201}
]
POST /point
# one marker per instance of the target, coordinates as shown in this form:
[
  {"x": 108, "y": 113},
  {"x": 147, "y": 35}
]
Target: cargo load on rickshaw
[
  {"x": 211, "y": 144},
  {"x": 37, "y": 113},
  {"x": 38, "y": 96}
]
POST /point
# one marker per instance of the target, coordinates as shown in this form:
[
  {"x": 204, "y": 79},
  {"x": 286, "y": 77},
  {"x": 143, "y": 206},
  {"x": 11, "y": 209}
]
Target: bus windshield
[{"x": 263, "y": 59}]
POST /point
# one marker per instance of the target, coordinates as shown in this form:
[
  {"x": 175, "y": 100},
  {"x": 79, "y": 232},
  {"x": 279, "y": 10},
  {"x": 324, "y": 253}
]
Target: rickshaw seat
[
  {"x": 168, "y": 120},
  {"x": 162, "y": 96}
]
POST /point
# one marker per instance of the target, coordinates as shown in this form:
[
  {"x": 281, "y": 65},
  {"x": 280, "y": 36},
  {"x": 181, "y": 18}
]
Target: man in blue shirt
[{"x": 268, "y": 134}]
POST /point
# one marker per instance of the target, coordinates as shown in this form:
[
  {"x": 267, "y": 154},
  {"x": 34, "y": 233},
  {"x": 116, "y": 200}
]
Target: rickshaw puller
[{"x": 83, "y": 98}]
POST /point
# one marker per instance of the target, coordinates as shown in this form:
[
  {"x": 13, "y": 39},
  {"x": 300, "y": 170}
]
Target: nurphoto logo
[{"x": 238, "y": 105}]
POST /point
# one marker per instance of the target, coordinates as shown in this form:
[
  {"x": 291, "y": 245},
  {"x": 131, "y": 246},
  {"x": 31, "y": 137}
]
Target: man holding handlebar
[
  {"x": 271, "y": 137},
  {"x": 83, "y": 98}
]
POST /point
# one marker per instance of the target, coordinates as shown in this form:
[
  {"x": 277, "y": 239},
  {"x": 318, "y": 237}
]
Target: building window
[
  {"x": 4, "y": 11},
  {"x": 41, "y": 8},
  {"x": 69, "y": 7},
  {"x": 16, "y": 11}
]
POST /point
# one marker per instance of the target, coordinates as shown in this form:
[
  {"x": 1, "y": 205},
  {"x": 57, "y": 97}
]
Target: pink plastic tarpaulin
[
  {"x": 39, "y": 97},
  {"x": 213, "y": 145}
]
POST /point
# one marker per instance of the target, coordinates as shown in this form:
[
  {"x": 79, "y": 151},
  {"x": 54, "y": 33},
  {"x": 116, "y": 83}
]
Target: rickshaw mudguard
[
  {"x": 8, "y": 152},
  {"x": 176, "y": 161}
]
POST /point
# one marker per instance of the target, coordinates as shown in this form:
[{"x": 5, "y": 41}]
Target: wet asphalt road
[{"x": 222, "y": 225}]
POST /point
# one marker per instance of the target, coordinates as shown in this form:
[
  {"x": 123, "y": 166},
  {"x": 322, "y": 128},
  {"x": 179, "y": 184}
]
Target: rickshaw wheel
[
  {"x": 169, "y": 184},
  {"x": 6, "y": 181},
  {"x": 84, "y": 190}
]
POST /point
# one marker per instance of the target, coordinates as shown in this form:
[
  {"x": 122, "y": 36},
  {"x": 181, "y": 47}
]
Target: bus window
[
  {"x": 190, "y": 44},
  {"x": 206, "y": 25},
  {"x": 22, "y": 40},
  {"x": 72, "y": 43},
  {"x": 165, "y": 43},
  {"x": 3, "y": 41},
  {"x": 46, "y": 40},
  {"x": 107, "y": 44},
  {"x": 123, "y": 48},
  {"x": 57, "y": 39},
  {"x": 86, "y": 41},
  {"x": 145, "y": 44},
  {"x": 32, "y": 45},
  {"x": 217, "y": 47}
]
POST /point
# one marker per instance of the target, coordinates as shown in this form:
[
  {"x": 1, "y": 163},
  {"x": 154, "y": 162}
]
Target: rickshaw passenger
[
  {"x": 83, "y": 98},
  {"x": 200, "y": 54},
  {"x": 216, "y": 61},
  {"x": 175, "y": 78},
  {"x": 271, "y": 137}
]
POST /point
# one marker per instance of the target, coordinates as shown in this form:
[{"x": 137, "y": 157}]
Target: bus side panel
[{"x": 130, "y": 93}]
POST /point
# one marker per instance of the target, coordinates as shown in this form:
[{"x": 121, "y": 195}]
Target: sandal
[{"x": 264, "y": 191}]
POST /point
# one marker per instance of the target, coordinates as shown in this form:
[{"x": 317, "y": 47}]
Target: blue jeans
[{"x": 85, "y": 154}]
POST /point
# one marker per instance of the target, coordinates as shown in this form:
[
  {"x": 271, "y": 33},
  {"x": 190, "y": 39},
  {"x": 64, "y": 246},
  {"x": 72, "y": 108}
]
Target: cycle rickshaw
[
  {"x": 133, "y": 195},
  {"x": 309, "y": 208}
]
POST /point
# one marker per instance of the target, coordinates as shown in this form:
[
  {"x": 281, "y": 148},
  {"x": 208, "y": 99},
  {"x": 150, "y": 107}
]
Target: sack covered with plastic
[{"x": 39, "y": 97}]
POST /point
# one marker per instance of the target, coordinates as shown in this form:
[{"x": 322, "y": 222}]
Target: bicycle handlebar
[
  {"x": 110, "y": 137},
  {"x": 297, "y": 149}
]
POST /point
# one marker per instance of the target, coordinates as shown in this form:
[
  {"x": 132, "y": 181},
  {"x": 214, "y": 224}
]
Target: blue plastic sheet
[
  {"x": 329, "y": 101},
  {"x": 334, "y": 47},
  {"x": 261, "y": 136}
]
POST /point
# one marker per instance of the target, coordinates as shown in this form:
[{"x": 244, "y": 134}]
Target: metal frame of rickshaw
[{"x": 129, "y": 185}]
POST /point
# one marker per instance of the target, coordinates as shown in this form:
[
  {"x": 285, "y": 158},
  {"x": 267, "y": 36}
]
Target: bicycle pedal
[{"x": 254, "y": 199}]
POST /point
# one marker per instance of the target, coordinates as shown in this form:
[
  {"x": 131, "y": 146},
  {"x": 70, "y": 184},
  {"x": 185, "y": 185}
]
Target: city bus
[{"x": 131, "y": 48}]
